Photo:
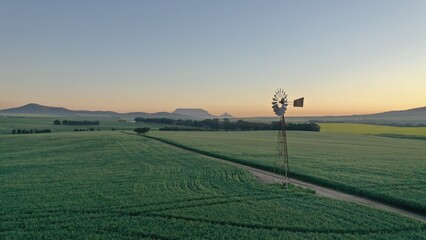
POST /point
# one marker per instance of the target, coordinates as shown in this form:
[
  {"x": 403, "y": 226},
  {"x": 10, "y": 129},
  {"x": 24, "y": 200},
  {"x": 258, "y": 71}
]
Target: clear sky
[{"x": 344, "y": 57}]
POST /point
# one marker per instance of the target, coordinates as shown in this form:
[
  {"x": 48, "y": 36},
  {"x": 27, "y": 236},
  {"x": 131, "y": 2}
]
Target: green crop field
[
  {"x": 8, "y": 123},
  {"x": 391, "y": 170},
  {"x": 114, "y": 185},
  {"x": 353, "y": 128}
]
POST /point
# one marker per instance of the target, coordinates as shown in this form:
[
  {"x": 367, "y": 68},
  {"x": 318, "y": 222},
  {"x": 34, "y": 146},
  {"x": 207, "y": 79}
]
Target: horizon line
[{"x": 200, "y": 108}]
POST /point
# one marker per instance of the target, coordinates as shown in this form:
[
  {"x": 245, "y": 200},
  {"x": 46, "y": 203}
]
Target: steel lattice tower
[{"x": 281, "y": 159}]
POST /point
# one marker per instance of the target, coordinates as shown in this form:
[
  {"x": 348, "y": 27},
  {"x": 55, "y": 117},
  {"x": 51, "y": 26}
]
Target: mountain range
[
  {"x": 183, "y": 113},
  {"x": 411, "y": 116}
]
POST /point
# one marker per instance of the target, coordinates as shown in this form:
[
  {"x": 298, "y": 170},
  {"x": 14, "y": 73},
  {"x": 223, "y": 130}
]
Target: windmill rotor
[{"x": 279, "y": 102}]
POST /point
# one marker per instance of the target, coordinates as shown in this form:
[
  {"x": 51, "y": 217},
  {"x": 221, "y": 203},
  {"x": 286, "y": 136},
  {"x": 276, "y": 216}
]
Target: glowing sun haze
[{"x": 344, "y": 57}]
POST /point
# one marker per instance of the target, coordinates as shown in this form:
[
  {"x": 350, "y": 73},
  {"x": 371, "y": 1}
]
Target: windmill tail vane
[{"x": 298, "y": 102}]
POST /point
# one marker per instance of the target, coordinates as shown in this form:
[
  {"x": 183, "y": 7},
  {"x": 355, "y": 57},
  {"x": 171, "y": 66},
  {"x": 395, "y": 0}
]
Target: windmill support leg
[{"x": 282, "y": 153}]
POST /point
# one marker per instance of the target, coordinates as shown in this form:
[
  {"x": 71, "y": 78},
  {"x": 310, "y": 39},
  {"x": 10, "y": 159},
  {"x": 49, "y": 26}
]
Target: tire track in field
[{"x": 268, "y": 177}]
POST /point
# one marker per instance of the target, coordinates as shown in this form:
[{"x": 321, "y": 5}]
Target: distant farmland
[
  {"x": 7, "y": 124},
  {"x": 114, "y": 185}
]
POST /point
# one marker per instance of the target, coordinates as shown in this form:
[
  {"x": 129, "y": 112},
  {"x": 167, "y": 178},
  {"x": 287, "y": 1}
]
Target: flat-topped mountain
[
  {"x": 194, "y": 112},
  {"x": 199, "y": 113}
]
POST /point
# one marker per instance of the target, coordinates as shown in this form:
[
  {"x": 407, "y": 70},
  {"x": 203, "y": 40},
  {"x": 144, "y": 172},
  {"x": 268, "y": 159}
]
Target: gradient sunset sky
[{"x": 344, "y": 57}]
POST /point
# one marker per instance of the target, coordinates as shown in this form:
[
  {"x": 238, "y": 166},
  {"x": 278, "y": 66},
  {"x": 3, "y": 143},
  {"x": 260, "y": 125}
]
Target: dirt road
[{"x": 268, "y": 177}]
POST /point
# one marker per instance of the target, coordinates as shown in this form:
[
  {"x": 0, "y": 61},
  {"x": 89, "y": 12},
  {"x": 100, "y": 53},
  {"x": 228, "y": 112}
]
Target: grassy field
[
  {"x": 9, "y": 123},
  {"x": 119, "y": 186},
  {"x": 353, "y": 128},
  {"x": 391, "y": 170}
]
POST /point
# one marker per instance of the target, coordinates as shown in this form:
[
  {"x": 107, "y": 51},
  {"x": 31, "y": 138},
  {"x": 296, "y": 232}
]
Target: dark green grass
[
  {"x": 402, "y": 136},
  {"x": 353, "y": 128},
  {"x": 386, "y": 169},
  {"x": 119, "y": 186}
]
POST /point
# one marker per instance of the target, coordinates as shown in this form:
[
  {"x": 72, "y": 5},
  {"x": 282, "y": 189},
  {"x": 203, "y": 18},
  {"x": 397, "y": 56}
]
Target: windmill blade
[
  {"x": 298, "y": 102},
  {"x": 275, "y": 99}
]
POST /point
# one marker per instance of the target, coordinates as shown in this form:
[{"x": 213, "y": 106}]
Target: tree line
[
  {"x": 84, "y": 130},
  {"x": 30, "y": 131},
  {"x": 72, "y": 122},
  {"x": 185, "y": 129},
  {"x": 225, "y": 124}
]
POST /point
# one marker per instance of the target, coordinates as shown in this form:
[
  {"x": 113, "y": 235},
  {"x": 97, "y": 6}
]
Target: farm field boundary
[
  {"x": 371, "y": 129},
  {"x": 414, "y": 137},
  {"x": 322, "y": 186}
]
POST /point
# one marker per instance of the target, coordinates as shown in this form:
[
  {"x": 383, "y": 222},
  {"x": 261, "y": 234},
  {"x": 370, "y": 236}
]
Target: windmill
[{"x": 279, "y": 105}]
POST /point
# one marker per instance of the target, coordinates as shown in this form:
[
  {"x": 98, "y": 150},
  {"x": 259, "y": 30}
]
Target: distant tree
[
  {"x": 142, "y": 130},
  {"x": 18, "y": 131},
  {"x": 113, "y": 129},
  {"x": 56, "y": 122},
  {"x": 14, "y": 131}
]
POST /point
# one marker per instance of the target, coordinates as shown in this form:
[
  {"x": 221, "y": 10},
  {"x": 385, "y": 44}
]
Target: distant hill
[
  {"x": 33, "y": 108},
  {"x": 415, "y": 116},
  {"x": 415, "y": 112},
  {"x": 226, "y": 115}
]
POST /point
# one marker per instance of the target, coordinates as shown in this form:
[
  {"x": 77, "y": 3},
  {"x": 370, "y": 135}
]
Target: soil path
[{"x": 268, "y": 177}]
